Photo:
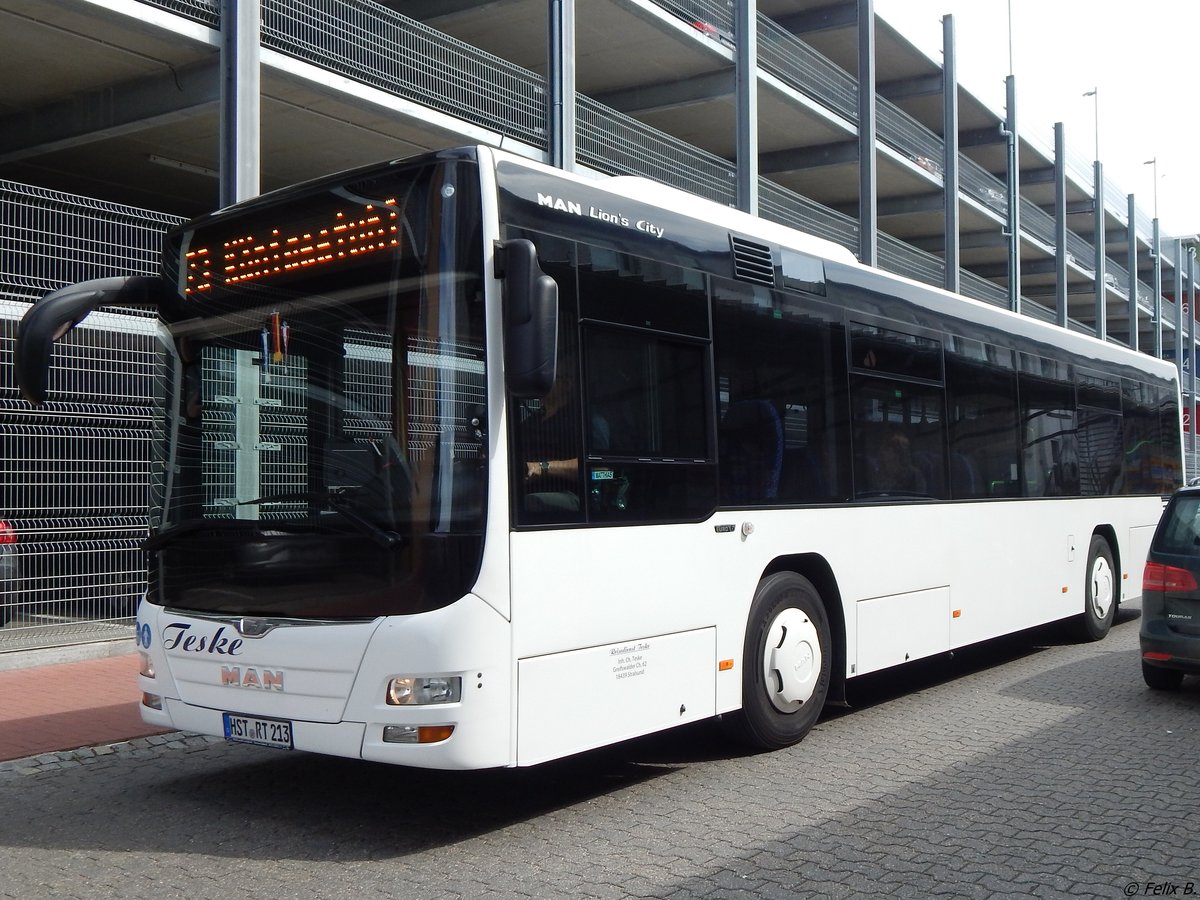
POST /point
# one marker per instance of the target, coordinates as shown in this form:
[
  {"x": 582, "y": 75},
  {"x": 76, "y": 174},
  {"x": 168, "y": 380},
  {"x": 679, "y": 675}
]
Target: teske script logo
[{"x": 179, "y": 636}]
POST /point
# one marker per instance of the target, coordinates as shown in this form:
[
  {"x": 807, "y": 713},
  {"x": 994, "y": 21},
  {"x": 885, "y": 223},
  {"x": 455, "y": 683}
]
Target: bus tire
[
  {"x": 1101, "y": 590},
  {"x": 786, "y": 664}
]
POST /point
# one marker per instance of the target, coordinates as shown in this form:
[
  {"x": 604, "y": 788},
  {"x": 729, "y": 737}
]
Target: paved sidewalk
[{"x": 67, "y": 705}]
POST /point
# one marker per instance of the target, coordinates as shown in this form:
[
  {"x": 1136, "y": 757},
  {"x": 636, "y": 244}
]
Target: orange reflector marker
[
  {"x": 1065, "y": 589},
  {"x": 725, "y": 665},
  {"x": 956, "y": 614},
  {"x": 431, "y": 734}
]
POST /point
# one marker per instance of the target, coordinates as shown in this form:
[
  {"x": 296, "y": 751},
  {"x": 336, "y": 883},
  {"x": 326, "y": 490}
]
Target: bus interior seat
[
  {"x": 927, "y": 464},
  {"x": 964, "y": 477},
  {"x": 751, "y": 441},
  {"x": 802, "y": 477}
]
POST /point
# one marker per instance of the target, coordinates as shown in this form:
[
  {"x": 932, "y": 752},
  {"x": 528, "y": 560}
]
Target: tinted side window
[
  {"x": 985, "y": 453},
  {"x": 547, "y": 433},
  {"x": 646, "y": 395},
  {"x": 899, "y": 439},
  {"x": 1171, "y": 471},
  {"x": 783, "y": 432},
  {"x": 1050, "y": 456},
  {"x": 645, "y": 293},
  {"x": 1099, "y": 437},
  {"x": 887, "y": 351},
  {"x": 899, "y": 422},
  {"x": 1151, "y": 444},
  {"x": 648, "y": 390}
]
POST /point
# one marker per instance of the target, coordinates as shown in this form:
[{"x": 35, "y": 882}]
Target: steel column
[
  {"x": 1157, "y": 251},
  {"x": 1099, "y": 240},
  {"x": 240, "y": 92},
  {"x": 1131, "y": 266},
  {"x": 1060, "y": 225},
  {"x": 868, "y": 226},
  {"x": 746, "y": 92},
  {"x": 561, "y": 87},
  {"x": 1014, "y": 196},
  {"x": 952, "y": 252},
  {"x": 1190, "y": 389},
  {"x": 1179, "y": 308}
]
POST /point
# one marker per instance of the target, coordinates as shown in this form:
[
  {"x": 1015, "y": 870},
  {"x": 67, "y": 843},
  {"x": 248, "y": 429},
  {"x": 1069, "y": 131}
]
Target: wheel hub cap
[
  {"x": 792, "y": 660},
  {"x": 1103, "y": 587}
]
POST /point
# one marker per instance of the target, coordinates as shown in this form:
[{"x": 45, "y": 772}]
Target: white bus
[{"x": 469, "y": 462}]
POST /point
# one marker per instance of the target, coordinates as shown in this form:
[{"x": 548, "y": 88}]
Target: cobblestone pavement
[{"x": 1034, "y": 767}]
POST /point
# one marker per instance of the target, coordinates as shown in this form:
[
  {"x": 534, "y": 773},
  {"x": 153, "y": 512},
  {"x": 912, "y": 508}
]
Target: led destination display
[{"x": 328, "y": 237}]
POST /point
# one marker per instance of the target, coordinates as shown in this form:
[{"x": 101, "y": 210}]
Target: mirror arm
[{"x": 52, "y": 317}]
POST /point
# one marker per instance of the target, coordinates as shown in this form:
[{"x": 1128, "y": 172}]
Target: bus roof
[
  {"x": 646, "y": 190},
  {"x": 666, "y": 197}
]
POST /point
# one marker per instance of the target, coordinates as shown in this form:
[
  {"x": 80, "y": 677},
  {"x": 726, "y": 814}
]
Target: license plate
[{"x": 264, "y": 732}]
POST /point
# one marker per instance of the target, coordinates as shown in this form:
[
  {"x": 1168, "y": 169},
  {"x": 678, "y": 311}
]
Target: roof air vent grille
[{"x": 752, "y": 262}]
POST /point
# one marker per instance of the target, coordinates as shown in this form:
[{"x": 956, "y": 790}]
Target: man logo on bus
[{"x": 266, "y": 680}]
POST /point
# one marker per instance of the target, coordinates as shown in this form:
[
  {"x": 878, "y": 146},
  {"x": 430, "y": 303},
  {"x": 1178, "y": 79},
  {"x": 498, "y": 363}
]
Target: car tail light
[
  {"x": 8, "y": 534},
  {"x": 1169, "y": 579}
]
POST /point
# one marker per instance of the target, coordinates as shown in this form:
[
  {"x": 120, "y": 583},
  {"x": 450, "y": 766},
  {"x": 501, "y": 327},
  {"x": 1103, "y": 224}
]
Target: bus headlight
[
  {"x": 147, "y": 665},
  {"x": 417, "y": 690}
]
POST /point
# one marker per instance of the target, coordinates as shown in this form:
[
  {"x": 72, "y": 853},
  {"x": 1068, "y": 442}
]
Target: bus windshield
[{"x": 324, "y": 454}]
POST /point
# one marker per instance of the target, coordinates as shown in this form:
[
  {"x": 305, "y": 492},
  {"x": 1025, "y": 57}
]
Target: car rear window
[{"x": 1180, "y": 532}]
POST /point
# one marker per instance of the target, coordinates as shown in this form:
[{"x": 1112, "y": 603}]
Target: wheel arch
[
  {"x": 817, "y": 570},
  {"x": 1114, "y": 547}
]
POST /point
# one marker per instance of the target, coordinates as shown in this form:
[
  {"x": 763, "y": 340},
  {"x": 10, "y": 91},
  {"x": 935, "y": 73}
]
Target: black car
[{"x": 1170, "y": 635}]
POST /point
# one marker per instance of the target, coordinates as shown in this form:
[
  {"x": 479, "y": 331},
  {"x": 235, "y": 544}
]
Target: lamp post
[
  {"x": 1100, "y": 236},
  {"x": 1154, "y": 162},
  {"x": 1094, "y": 93},
  {"x": 1156, "y": 256}
]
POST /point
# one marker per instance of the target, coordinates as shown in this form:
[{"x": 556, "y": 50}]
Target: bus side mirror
[
  {"x": 52, "y": 317},
  {"x": 530, "y": 319}
]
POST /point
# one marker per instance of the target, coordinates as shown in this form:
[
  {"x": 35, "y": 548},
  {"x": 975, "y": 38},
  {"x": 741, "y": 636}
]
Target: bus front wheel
[
  {"x": 1101, "y": 592},
  {"x": 785, "y": 665}
]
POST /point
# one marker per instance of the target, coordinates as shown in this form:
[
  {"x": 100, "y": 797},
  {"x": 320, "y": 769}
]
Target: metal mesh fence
[
  {"x": 49, "y": 239},
  {"x": 620, "y": 145},
  {"x": 206, "y": 12},
  {"x": 74, "y": 473},
  {"x": 789, "y": 208},
  {"x": 802, "y": 67},
  {"x": 376, "y": 46}
]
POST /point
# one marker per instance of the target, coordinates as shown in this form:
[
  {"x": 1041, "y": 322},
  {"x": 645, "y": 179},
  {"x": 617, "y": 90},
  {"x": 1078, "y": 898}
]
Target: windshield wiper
[
  {"x": 339, "y": 501},
  {"x": 160, "y": 539}
]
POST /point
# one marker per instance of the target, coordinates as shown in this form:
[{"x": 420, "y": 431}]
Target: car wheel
[
  {"x": 1161, "y": 679},
  {"x": 1101, "y": 591},
  {"x": 785, "y": 664}
]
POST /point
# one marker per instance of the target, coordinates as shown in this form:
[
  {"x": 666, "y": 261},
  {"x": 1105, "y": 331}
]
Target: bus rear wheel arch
[{"x": 786, "y": 664}]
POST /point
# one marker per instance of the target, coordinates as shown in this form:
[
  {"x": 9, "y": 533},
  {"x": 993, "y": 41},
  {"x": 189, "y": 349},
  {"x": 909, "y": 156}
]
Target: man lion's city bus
[{"x": 469, "y": 462}]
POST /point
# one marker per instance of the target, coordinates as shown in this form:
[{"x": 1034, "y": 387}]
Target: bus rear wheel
[
  {"x": 785, "y": 664},
  {"x": 1100, "y": 592}
]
